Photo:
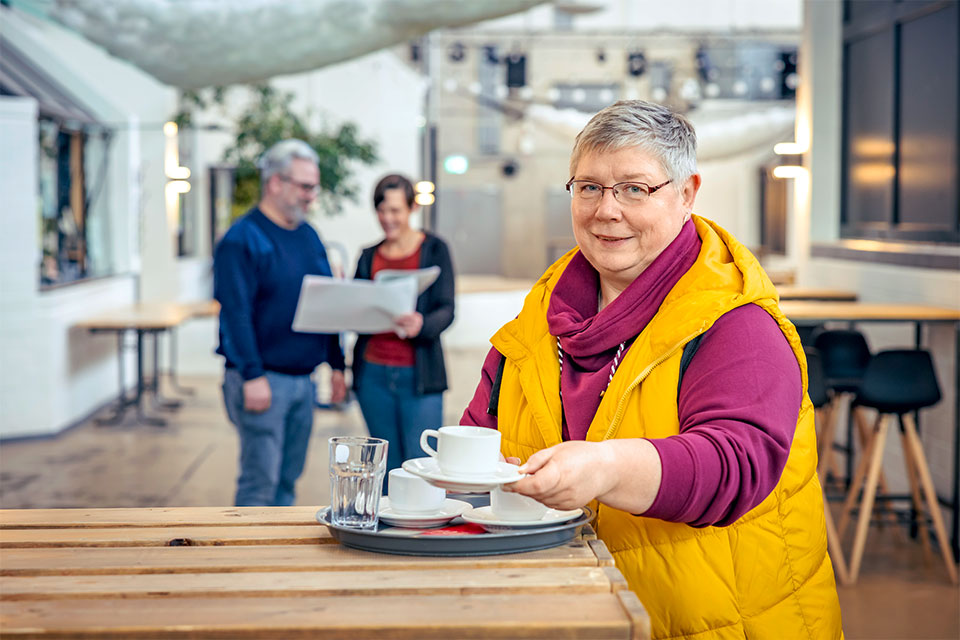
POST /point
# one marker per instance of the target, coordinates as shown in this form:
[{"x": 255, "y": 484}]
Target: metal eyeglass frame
[{"x": 650, "y": 190}]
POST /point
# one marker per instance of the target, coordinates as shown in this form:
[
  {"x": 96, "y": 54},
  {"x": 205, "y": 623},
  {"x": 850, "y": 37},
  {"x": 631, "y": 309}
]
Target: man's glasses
[
  {"x": 627, "y": 193},
  {"x": 308, "y": 187}
]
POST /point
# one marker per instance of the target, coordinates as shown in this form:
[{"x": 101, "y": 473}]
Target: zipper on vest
[{"x": 621, "y": 406}]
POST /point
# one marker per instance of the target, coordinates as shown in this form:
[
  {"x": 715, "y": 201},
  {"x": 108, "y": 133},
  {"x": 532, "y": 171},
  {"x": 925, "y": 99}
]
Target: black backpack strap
[
  {"x": 689, "y": 350},
  {"x": 495, "y": 390}
]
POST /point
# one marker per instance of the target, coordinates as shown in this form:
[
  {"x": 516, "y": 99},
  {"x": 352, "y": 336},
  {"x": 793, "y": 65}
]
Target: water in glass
[{"x": 357, "y": 468}]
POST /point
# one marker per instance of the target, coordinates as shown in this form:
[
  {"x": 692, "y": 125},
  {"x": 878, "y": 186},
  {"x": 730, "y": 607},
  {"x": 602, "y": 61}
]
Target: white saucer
[
  {"x": 450, "y": 510},
  {"x": 429, "y": 469},
  {"x": 484, "y": 517}
]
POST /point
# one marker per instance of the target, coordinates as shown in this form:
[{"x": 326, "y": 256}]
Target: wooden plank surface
[
  {"x": 156, "y": 517},
  {"x": 185, "y": 536},
  {"x": 201, "y": 308},
  {"x": 137, "y": 316},
  {"x": 853, "y": 311},
  {"x": 599, "y": 548},
  {"x": 313, "y": 583},
  {"x": 276, "y": 573},
  {"x": 233, "y": 559},
  {"x": 788, "y": 292},
  {"x": 639, "y": 618},
  {"x": 513, "y": 615}
]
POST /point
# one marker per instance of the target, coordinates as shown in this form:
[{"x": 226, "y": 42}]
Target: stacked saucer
[
  {"x": 485, "y": 517},
  {"x": 449, "y": 510}
]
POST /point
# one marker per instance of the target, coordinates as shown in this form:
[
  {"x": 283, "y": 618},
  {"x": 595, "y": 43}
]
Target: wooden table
[
  {"x": 846, "y": 311},
  {"x": 151, "y": 319},
  {"x": 788, "y": 292},
  {"x": 275, "y": 573},
  {"x": 818, "y": 312}
]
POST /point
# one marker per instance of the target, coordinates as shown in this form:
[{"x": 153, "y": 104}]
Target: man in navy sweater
[{"x": 258, "y": 268}]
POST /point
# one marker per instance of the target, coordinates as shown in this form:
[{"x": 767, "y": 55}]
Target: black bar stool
[
  {"x": 845, "y": 355},
  {"x": 896, "y": 383}
]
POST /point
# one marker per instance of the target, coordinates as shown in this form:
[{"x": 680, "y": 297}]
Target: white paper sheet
[
  {"x": 425, "y": 277},
  {"x": 332, "y": 305}
]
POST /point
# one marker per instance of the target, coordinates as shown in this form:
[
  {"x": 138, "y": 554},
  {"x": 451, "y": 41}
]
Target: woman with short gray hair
[{"x": 652, "y": 374}]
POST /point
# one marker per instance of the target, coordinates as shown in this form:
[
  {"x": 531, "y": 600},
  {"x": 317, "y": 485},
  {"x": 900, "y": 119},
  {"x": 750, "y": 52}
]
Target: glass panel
[
  {"x": 47, "y": 197},
  {"x": 73, "y": 210},
  {"x": 95, "y": 164},
  {"x": 869, "y": 129},
  {"x": 188, "y": 221},
  {"x": 928, "y": 121}
]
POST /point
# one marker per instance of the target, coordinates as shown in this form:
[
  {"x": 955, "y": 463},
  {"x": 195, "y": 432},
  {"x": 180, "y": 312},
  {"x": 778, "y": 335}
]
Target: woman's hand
[
  {"x": 568, "y": 475},
  {"x": 408, "y": 325},
  {"x": 624, "y": 474}
]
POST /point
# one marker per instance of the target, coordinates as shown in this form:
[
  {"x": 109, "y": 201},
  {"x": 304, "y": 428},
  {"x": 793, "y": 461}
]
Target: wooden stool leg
[
  {"x": 834, "y": 547},
  {"x": 863, "y": 428},
  {"x": 915, "y": 494},
  {"x": 834, "y": 411},
  {"x": 923, "y": 473},
  {"x": 825, "y": 441},
  {"x": 858, "y": 477},
  {"x": 869, "y": 492}
]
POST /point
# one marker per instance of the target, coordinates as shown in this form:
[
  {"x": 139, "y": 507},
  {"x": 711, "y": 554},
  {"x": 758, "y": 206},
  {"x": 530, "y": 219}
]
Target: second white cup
[
  {"x": 464, "y": 451},
  {"x": 411, "y": 494},
  {"x": 515, "y": 506}
]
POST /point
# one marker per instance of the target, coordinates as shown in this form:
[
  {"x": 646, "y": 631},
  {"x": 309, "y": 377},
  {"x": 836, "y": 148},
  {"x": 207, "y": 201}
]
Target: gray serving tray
[{"x": 416, "y": 542}]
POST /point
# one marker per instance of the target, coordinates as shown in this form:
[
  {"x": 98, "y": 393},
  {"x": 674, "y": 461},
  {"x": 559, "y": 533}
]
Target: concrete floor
[{"x": 192, "y": 462}]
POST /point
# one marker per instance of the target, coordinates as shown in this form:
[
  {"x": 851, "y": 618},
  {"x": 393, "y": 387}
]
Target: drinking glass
[{"x": 357, "y": 467}]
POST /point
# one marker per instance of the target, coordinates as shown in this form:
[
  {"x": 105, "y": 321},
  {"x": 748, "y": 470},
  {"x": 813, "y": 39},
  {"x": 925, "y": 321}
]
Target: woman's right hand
[{"x": 408, "y": 325}]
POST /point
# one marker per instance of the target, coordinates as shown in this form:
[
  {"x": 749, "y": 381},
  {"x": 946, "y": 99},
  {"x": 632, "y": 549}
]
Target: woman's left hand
[
  {"x": 409, "y": 324},
  {"x": 568, "y": 475}
]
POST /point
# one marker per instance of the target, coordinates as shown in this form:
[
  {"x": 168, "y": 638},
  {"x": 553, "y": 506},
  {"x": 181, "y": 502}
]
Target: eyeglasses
[
  {"x": 309, "y": 187},
  {"x": 628, "y": 193}
]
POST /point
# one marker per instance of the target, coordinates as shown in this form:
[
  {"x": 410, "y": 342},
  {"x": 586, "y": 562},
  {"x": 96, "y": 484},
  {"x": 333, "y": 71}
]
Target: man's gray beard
[{"x": 297, "y": 215}]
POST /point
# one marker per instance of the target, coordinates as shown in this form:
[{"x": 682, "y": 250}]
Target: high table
[
  {"x": 151, "y": 319},
  {"x": 143, "y": 320},
  {"x": 274, "y": 572},
  {"x": 818, "y": 312},
  {"x": 790, "y": 292}
]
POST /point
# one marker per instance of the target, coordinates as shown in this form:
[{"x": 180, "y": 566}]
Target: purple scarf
[{"x": 590, "y": 339}]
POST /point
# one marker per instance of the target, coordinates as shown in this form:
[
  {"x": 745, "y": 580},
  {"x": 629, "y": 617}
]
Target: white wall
[
  {"x": 50, "y": 374},
  {"x": 53, "y": 373}
]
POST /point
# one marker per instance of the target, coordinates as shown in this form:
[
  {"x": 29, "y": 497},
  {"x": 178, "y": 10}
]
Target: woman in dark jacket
[{"x": 399, "y": 377}]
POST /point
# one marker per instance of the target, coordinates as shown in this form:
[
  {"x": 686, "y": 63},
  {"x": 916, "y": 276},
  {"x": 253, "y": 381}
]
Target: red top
[{"x": 389, "y": 348}]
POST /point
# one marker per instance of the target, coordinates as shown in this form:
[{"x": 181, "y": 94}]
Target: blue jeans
[
  {"x": 273, "y": 444},
  {"x": 393, "y": 410}
]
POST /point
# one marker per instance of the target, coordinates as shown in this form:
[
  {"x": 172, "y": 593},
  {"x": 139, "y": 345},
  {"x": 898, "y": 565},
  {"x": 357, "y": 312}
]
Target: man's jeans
[
  {"x": 394, "y": 411},
  {"x": 273, "y": 444}
]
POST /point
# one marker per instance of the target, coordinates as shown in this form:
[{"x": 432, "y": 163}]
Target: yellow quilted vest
[{"x": 766, "y": 576}]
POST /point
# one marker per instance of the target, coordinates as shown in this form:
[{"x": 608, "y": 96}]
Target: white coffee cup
[
  {"x": 464, "y": 451},
  {"x": 412, "y": 494},
  {"x": 515, "y": 506}
]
